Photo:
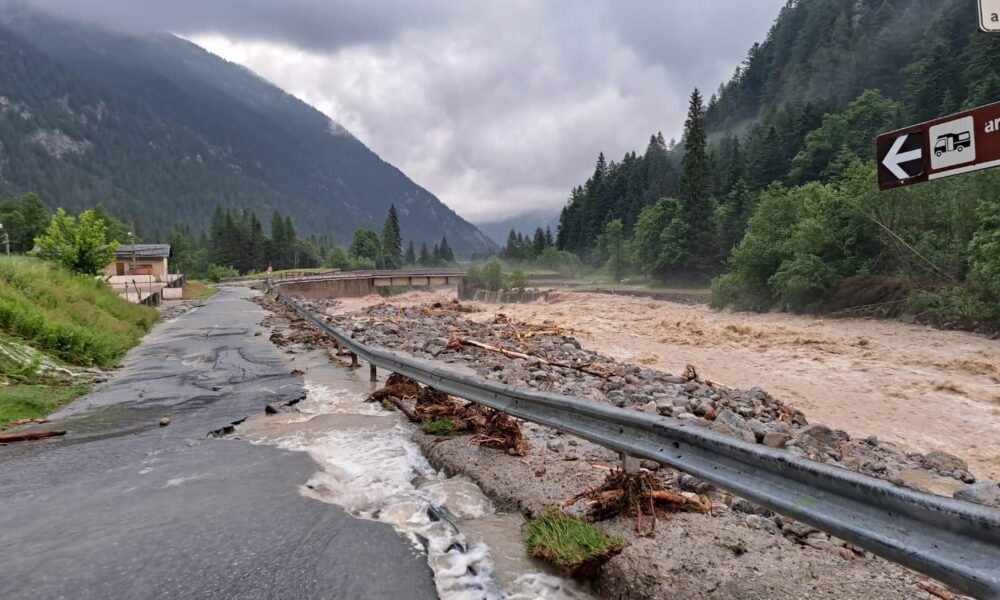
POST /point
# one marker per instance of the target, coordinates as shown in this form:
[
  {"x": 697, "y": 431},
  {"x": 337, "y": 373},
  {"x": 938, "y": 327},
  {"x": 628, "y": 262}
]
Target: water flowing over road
[{"x": 123, "y": 508}]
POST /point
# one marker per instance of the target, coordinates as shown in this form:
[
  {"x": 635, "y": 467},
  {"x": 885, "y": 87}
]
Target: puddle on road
[{"x": 369, "y": 465}]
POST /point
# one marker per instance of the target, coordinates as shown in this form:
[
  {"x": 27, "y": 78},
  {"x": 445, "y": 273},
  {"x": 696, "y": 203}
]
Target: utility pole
[
  {"x": 6, "y": 240},
  {"x": 131, "y": 239}
]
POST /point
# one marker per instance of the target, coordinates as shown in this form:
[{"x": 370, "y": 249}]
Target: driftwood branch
[
  {"x": 514, "y": 354},
  {"x": 403, "y": 408},
  {"x": 28, "y": 436}
]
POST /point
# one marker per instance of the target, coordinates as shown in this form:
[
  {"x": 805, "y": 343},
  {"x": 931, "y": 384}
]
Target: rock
[
  {"x": 693, "y": 484},
  {"x": 649, "y": 465},
  {"x": 540, "y": 472},
  {"x": 986, "y": 492},
  {"x": 776, "y": 440},
  {"x": 749, "y": 508},
  {"x": 797, "y": 529},
  {"x": 650, "y": 408},
  {"x": 944, "y": 462},
  {"x": 732, "y": 424},
  {"x": 554, "y": 446},
  {"x": 758, "y": 429},
  {"x": 164, "y": 421},
  {"x": 777, "y": 427},
  {"x": 759, "y": 522}
]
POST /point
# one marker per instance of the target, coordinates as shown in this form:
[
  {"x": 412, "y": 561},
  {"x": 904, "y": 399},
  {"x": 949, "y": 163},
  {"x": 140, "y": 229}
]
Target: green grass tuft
[
  {"x": 575, "y": 546},
  {"x": 194, "y": 289},
  {"x": 440, "y": 427},
  {"x": 33, "y": 401},
  {"x": 75, "y": 318}
]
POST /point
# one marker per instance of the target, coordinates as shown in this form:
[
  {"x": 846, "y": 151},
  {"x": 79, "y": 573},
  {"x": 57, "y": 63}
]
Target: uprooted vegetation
[
  {"x": 441, "y": 415},
  {"x": 573, "y": 545},
  {"x": 640, "y": 494}
]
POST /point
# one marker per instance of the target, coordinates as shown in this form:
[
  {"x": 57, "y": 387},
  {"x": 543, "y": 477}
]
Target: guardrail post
[
  {"x": 630, "y": 464},
  {"x": 354, "y": 360},
  {"x": 373, "y": 372}
]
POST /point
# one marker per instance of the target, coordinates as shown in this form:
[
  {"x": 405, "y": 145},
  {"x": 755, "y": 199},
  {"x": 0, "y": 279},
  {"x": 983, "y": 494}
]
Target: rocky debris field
[
  {"x": 557, "y": 467},
  {"x": 555, "y": 361}
]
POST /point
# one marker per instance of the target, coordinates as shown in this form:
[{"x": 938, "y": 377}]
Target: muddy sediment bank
[{"x": 739, "y": 549}]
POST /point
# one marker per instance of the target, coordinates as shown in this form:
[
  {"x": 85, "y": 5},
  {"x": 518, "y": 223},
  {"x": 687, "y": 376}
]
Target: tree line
[
  {"x": 771, "y": 193},
  {"x": 234, "y": 244}
]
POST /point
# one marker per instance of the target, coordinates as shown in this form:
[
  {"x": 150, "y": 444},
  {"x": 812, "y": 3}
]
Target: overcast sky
[{"x": 498, "y": 107}]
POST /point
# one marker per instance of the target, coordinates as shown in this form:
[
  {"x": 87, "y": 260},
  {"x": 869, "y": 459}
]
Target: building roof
[{"x": 142, "y": 251}]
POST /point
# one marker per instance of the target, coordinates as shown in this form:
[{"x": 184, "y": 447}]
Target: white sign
[
  {"x": 953, "y": 143},
  {"x": 989, "y": 15}
]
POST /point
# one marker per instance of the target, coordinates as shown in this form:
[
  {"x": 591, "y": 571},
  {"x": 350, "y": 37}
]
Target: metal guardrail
[{"x": 955, "y": 542}]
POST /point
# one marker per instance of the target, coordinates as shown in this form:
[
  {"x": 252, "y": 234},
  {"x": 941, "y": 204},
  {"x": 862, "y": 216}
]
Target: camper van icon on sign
[{"x": 954, "y": 143}]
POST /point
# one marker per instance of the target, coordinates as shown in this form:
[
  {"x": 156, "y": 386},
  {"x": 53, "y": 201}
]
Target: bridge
[{"x": 352, "y": 284}]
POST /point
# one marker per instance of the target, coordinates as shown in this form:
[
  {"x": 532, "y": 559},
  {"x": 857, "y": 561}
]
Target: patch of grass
[
  {"x": 75, "y": 318},
  {"x": 197, "y": 290},
  {"x": 34, "y": 401},
  {"x": 575, "y": 546},
  {"x": 394, "y": 290},
  {"x": 440, "y": 427}
]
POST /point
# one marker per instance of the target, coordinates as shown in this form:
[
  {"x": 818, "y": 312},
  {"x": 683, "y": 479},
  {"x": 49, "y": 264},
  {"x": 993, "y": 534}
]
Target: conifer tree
[
  {"x": 392, "y": 241},
  {"x": 425, "y": 256},
  {"x": 696, "y": 198},
  {"x": 445, "y": 251},
  {"x": 411, "y": 254}
]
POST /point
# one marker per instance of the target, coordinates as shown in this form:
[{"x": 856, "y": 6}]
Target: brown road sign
[{"x": 961, "y": 143}]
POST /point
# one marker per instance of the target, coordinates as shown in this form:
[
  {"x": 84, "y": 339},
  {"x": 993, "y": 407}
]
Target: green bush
[
  {"x": 217, "y": 273},
  {"x": 954, "y": 304}
]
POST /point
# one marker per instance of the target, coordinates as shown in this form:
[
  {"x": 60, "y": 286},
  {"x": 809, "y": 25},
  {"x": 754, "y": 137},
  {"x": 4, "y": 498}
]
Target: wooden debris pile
[
  {"x": 640, "y": 493},
  {"x": 491, "y": 428}
]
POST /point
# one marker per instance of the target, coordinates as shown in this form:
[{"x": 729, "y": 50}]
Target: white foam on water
[{"x": 376, "y": 472}]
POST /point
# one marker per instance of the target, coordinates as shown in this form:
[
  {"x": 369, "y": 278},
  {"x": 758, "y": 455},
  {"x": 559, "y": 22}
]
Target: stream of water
[{"x": 369, "y": 465}]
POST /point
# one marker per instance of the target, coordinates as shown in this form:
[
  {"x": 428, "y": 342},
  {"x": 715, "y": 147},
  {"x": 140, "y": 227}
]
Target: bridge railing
[{"x": 955, "y": 542}]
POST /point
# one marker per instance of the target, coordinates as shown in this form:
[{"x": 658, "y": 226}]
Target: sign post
[
  {"x": 961, "y": 143},
  {"x": 989, "y": 15}
]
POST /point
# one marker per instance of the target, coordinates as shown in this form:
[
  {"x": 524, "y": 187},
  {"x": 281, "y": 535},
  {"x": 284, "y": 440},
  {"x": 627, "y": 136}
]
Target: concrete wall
[{"x": 334, "y": 288}]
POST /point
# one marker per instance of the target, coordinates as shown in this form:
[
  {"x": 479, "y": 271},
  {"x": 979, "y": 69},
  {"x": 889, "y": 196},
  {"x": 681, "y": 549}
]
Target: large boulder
[
  {"x": 732, "y": 424},
  {"x": 985, "y": 492}
]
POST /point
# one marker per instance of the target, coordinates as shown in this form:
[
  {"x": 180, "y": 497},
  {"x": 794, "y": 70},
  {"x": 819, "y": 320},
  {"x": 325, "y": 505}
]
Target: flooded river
[{"x": 368, "y": 464}]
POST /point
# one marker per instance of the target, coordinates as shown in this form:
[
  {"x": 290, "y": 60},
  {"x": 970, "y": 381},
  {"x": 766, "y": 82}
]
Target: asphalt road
[{"x": 123, "y": 508}]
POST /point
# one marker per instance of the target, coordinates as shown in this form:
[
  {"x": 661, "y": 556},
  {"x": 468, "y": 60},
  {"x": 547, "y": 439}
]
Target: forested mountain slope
[
  {"x": 773, "y": 184},
  {"x": 161, "y": 131}
]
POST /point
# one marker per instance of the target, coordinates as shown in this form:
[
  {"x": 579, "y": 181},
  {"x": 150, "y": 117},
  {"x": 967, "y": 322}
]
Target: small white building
[{"x": 140, "y": 273}]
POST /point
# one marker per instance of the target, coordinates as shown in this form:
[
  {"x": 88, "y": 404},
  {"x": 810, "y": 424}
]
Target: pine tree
[
  {"x": 445, "y": 251},
  {"x": 392, "y": 241},
  {"x": 425, "y": 256},
  {"x": 696, "y": 198},
  {"x": 411, "y": 254}
]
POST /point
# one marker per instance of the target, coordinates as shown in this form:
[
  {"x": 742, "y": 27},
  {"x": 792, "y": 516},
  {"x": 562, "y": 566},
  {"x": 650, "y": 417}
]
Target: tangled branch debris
[
  {"x": 639, "y": 493},
  {"x": 440, "y": 414}
]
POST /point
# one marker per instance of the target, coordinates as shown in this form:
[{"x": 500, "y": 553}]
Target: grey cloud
[
  {"x": 497, "y": 107},
  {"x": 320, "y": 25}
]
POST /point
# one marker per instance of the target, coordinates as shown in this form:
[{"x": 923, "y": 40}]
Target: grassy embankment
[
  {"x": 197, "y": 290},
  {"x": 54, "y": 325}
]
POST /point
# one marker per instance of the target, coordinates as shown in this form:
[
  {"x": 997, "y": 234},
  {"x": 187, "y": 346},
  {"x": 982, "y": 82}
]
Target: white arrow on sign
[{"x": 893, "y": 159}]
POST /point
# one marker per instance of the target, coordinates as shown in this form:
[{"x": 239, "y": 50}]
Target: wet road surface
[{"x": 123, "y": 508}]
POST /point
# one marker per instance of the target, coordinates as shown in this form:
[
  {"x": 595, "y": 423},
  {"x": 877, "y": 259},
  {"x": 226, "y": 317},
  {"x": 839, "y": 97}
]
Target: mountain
[
  {"x": 524, "y": 223},
  {"x": 800, "y": 97},
  {"x": 161, "y": 131}
]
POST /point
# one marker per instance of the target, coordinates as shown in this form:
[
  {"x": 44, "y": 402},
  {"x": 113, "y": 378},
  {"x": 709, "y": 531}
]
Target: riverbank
[
  {"x": 920, "y": 388},
  {"x": 738, "y": 548}
]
